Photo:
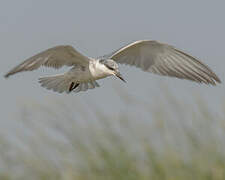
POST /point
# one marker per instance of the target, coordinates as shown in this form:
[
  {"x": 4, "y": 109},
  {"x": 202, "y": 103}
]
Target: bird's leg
[{"x": 72, "y": 87}]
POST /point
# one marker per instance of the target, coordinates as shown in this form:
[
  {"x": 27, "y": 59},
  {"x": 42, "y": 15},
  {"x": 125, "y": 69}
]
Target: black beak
[{"x": 119, "y": 76}]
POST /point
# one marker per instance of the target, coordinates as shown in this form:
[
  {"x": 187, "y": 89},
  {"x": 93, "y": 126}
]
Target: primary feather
[
  {"x": 163, "y": 59},
  {"x": 55, "y": 57}
]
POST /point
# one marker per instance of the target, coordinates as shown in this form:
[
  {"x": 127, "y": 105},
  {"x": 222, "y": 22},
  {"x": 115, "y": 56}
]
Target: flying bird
[{"x": 150, "y": 56}]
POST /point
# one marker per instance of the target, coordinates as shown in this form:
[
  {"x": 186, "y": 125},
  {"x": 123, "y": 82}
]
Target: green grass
[{"x": 181, "y": 142}]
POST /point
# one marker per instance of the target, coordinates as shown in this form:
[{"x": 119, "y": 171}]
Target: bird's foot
[{"x": 73, "y": 86}]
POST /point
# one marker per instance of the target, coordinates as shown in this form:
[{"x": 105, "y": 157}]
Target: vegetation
[{"x": 172, "y": 141}]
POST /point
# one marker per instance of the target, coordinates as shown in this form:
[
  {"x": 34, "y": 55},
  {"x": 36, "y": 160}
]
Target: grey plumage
[
  {"x": 150, "y": 56},
  {"x": 109, "y": 63},
  {"x": 55, "y": 57},
  {"x": 163, "y": 59}
]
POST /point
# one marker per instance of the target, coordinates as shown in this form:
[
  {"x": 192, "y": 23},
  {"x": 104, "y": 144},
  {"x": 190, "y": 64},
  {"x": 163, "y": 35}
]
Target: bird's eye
[{"x": 112, "y": 69}]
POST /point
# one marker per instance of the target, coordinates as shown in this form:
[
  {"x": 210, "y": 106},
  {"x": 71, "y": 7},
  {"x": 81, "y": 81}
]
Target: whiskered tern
[{"x": 150, "y": 56}]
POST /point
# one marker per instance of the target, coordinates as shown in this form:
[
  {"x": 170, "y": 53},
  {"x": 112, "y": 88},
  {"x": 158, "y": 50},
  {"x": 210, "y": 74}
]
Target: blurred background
[{"x": 149, "y": 128}]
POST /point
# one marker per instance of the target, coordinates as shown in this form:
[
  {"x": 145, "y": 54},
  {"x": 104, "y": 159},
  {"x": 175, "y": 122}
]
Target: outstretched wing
[
  {"x": 55, "y": 57},
  {"x": 165, "y": 60}
]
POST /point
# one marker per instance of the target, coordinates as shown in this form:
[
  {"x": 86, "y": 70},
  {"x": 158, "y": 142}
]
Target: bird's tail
[{"x": 61, "y": 83}]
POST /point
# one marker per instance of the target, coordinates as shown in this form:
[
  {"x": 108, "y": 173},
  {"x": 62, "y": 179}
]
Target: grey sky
[{"x": 96, "y": 28}]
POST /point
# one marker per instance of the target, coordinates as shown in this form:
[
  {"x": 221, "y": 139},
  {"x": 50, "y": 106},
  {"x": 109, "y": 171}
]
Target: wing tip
[
  {"x": 212, "y": 80},
  {"x": 12, "y": 72},
  {"x": 216, "y": 78},
  {"x": 7, "y": 75}
]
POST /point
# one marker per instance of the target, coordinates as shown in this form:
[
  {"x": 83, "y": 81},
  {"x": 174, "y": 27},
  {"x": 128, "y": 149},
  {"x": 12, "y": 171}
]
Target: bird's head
[{"x": 111, "y": 67}]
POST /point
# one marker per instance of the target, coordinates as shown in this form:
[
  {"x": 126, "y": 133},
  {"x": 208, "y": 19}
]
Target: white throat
[{"x": 98, "y": 70}]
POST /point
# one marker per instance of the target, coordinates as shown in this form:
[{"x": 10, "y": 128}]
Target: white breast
[{"x": 98, "y": 70}]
